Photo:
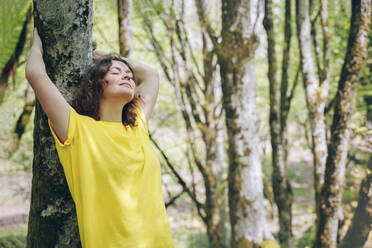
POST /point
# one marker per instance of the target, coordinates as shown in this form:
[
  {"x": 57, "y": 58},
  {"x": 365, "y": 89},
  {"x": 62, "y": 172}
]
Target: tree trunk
[
  {"x": 199, "y": 109},
  {"x": 278, "y": 116},
  {"x": 214, "y": 223},
  {"x": 360, "y": 228},
  {"x": 65, "y": 28},
  {"x": 236, "y": 53},
  {"x": 125, "y": 28},
  {"x": 361, "y": 224},
  {"x": 332, "y": 190},
  {"x": 316, "y": 97}
]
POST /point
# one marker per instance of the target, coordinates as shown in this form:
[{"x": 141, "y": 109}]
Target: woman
[{"x": 111, "y": 169}]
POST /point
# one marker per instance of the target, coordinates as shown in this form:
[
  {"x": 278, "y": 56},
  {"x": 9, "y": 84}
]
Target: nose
[{"x": 125, "y": 76}]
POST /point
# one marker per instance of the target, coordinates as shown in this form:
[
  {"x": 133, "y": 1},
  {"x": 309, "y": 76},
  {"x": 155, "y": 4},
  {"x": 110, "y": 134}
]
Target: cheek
[{"x": 108, "y": 79}]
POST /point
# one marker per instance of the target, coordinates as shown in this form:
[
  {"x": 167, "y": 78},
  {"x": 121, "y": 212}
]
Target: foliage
[
  {"x": 307, "y": 238},
  {"x": 13, "y": 241},
  {"x": 12, "y": 16},
  {"x": 104, "y": 32},
  {"x": 270, "y": 244},
  {"x": 167, "y": 126}
]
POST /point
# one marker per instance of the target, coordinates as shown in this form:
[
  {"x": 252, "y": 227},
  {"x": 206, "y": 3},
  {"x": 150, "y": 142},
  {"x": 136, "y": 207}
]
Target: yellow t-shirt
[{"x": 114, "y": 177}]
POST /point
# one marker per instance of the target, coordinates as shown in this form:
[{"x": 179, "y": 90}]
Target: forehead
[{"x": 119, "y": 64}]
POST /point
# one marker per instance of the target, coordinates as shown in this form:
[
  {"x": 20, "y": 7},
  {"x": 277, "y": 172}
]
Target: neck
[{"x": 111, "y": 110}]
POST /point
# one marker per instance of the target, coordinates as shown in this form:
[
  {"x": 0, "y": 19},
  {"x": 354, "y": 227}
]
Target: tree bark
[
  {"x": 65, "y": 28},
  {"x": 332, "y": 190},
  {"x": 316, "y": 97},
  {"x": 125, "y": 27},
  {"x": 278, "y": 117},
  {"x": 235, "y": 56}
]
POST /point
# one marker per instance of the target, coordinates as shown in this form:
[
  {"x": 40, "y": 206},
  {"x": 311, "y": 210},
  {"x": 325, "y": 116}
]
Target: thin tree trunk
[
  {"x": 214, "y": 223},
  {"x": 21, "y": 124},
  {"x": 24, "y": 118},
  {"x": 316, "y": 97},
  {"x": 181, "y": 71},
  {"x": 332, "y": 190},
  {"x": 236, "y": 53},
  {"x": 125, "y": 28},
  {"x": 220, "y": 166},
  {"x": 65, "y": 28},
  {"x": 278, "y": 115}
]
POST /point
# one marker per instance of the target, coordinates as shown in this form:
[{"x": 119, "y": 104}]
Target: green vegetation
[
  {"x": 167, "y": 126},
  {"x": 13, "y": 236}
]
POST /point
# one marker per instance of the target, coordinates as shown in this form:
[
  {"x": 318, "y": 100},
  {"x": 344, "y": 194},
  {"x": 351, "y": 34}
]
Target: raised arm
[
  {"x": 53, "y": 103},
  {"x": 147, "y": 81}
]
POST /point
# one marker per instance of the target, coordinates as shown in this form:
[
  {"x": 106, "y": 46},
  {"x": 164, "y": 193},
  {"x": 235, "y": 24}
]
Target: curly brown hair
[{"x": 87, "y": 101}]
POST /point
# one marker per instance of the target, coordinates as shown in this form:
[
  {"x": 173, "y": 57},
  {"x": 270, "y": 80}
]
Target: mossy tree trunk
[
  {"x": 65, "y": 28},
  {"x": 331, "y": 194},
  {"x": 280, "y": 101},
  {"x": 316, "y": 89},
  {"x": 235, "y": 56},
  {"x": 361, "y": 224}
]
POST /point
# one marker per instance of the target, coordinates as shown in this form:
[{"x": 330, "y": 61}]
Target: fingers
[
  {"x": 35, "y": 41},
  {"x": 97, "y": 55}
]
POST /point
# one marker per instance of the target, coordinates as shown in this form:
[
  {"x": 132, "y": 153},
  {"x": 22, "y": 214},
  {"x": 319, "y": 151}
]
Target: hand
[
  {"x": 35, "y": 41},
  {"x": 97, "y": 55}
]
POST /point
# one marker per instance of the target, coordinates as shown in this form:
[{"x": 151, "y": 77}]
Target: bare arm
[
  {"x": 51, "y": 100},
  {"x": 147, "y": 81}
]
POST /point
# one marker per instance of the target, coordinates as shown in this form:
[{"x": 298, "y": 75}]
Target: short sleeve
[
  {"x": 73, "y": 119},
  {"x": 64, "y": 153}
]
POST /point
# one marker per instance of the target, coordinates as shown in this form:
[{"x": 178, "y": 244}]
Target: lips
[{"x": 127, "y": 84}]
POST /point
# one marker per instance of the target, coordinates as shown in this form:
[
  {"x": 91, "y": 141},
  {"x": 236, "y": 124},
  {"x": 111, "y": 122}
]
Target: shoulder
[{"x": 85, "y": 118}]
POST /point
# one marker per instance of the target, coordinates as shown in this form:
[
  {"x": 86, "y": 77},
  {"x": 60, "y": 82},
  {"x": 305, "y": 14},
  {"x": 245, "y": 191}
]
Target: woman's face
[{"x": 119, "y": 82}]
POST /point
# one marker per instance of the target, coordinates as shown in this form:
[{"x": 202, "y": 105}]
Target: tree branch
[{"x": 182, "y": 182}]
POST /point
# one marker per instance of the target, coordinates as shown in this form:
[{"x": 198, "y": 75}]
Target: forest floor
[{"x": 187, "y": 229}]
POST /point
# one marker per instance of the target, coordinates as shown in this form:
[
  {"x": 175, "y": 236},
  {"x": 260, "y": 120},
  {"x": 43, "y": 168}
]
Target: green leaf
[{"x": 12, "y": 16}]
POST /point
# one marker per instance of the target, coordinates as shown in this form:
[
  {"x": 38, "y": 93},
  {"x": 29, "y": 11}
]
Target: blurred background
[{"x": 172, "y": 28}]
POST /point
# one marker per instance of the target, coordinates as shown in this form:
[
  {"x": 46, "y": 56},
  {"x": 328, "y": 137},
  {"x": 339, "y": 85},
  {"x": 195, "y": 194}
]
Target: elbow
[
  {"x": 152, "y": 71},
  {"x": 152, "y": 75},
  {"x": 28, "y": 73},
  {"x": 33, "y": 73}
]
